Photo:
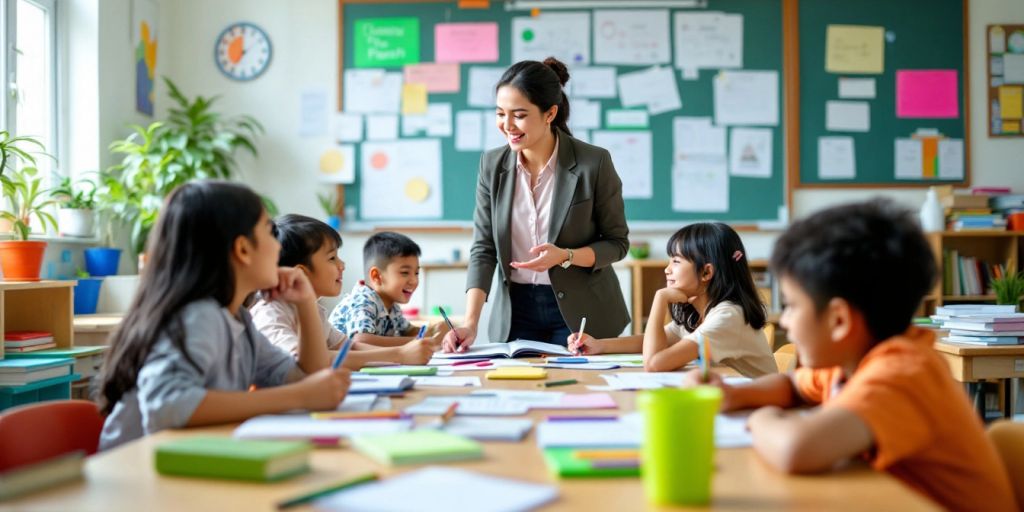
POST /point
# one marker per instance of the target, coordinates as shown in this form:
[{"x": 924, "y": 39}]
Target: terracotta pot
[
  {"x": 21, "y": 260},
  {"x": 1015, "y": 221}
]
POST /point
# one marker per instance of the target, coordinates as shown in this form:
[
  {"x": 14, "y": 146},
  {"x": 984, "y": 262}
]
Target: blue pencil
[{"x": 341, "y": 354}]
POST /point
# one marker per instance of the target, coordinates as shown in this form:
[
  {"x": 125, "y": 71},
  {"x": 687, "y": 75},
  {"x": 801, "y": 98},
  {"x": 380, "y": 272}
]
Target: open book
[{"x": 512, "y": 349}]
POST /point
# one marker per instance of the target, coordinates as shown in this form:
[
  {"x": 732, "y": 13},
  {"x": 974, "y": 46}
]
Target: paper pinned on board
[
  {"x": 338, "y": 164},
  {"x": 632, "y": 157},
  {"x": 381, "y": 127},
  {"x": 436, "y": 122},
  {"x": 857, "y": 88},
  {"x": 482, "y": 80},
  {"x": 708, "y": 40},
  {"x": 438, "y": 78},
  {"x": 927, "y": 93},
  {"x": 632, "y": 37},
  {"x": 586, "y": 115},
  {"x": 836, "y": 158},
  {"x": 847, "y": 116},
  {"x": 348, "y": 127},
  {"x": 854, "y": 49},
  {"x": 565, "y": 36},
  {"x": 951, "y": 159},
  {"x": 313, "y": 112},
  {"x": 370, "y": 91},
  {"x": 493, "y": 137},
  {"x": 627, "y": 118},
  {"x": 908, "y": 159},
  {"x": 750, "y": 152},
  {"x": 414, "y": 99},
  {"x": 469, "y": 125},
  {"x": 1013, "y": 68},
  {"x": 700, "y": 183},
  {"x": 747, "y": 98},
  {"x": 466, "y": 42},
  {"x": 697, "y": 136},
  {"x": 592, "y": 82},
  {"x": 1011, "y": 101},
  {"x": 654, "y": 88},
  {"x": 398, "y": 170}
]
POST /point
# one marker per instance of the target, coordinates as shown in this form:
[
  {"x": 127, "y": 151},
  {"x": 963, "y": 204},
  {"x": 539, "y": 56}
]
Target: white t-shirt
[
  {"x": 279, "y": 322},
  {"x": 734, "y": 343}
]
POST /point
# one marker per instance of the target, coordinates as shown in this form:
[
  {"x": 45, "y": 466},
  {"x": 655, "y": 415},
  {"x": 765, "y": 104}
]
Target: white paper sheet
[
  {"x": 847, "y": 116},
  {"x": 654, "y": 88},
  {"x": 373, "y": 91},
  {"x": 394, "y": 175},
  {"x": 492, "y": 135},
  {"x": 627, "y": 118},
  {"x": 750, "y": 152},
  {"x": 437, "y": 122},
  {"x": 313, "y": 112},
  {"x": 951, "y": 159},
  {"x": 631, "y": 155},
  {"x": 592, "y": 82},
  {"x": 708, "y": 40},
  {"x": 747, "y": 97},
  {"x": 469, "y": 130},
  {"x": 348, "y": 127},
  {"x": 857, "y": 88},
  {"x": 489, "y": 429},
  {"x": 632, "y": 37},
  {"x": 294, "y": 426},
  {"x": 697, "y": 136},
  {"x": 381, "y": 127},
  {"x": 480, "y": 90},
  {"x": 338, "y": 164},
  {"x": 700, "y": 183},
  {"x": 446, "y": 382},
  {"x": 908, "y": 158},
  {"x": 836, "y": 158},
  {"x": 1013, "y": 68},
  {"x": 586, "y": 115},
  {"x": 565, "y": 36},
  {"x": 643, "y": 380}
]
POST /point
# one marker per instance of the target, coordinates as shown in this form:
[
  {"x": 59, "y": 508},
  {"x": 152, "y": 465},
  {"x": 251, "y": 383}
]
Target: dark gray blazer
[{"x": 586, "y": 211}]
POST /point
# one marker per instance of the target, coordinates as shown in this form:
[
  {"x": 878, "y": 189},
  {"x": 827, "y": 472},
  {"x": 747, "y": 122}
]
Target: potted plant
[
  {"x": 21, "y": 258},
  {"x": 1009, "y": 289},
  {"x": 13, "y": 151},
  {"x": 330, "y": 206},
  {"x": 87, "y": 293},
  {"x": 77, "y": 202}
]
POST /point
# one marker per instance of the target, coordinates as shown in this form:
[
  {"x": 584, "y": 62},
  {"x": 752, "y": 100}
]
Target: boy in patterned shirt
[{"x": 371, "y": 313}]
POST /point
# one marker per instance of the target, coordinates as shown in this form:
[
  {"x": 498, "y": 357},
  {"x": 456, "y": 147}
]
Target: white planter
[{"x": 78, "y": 223}]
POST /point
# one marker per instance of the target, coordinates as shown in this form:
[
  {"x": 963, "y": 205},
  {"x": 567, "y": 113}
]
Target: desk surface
[
  {"x": 972, "y": 350},
  {"x": 124, "y": 478}
]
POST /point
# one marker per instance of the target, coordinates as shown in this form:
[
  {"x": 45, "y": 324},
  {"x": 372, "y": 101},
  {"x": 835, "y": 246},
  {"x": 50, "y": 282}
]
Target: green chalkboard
[
  {"x": 751, "y": 199},
  {"x": 918, "y": 35}
]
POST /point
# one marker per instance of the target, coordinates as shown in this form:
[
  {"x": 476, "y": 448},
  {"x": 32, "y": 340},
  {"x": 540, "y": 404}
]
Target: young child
[
  {"x": 711, "y": 295},
  {"x": 852, "y": 277},
  {"x": 187, "y": 353},
  {"x": 370, "y": 312},
  {"x": 312, "y": 246}
]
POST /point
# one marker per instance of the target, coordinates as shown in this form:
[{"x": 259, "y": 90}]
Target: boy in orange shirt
[{"x": 852, "y": 277}]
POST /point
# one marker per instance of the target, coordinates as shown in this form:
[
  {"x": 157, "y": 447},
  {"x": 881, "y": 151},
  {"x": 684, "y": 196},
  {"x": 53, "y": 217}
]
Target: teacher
[{"x": 549, "y": 216}]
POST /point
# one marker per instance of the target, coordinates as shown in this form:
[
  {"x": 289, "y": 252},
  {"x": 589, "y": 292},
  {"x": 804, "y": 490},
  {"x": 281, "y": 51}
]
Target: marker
[
  {"x": 450, "y": 326},
  {"x": 306, "y": 498},
  {"x": 423, "y": 330},
  {"x": 341, "y": 354},
  {"x": 555, "y": 383}
]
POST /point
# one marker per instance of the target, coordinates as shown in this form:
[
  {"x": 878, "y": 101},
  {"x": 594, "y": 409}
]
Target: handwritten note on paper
[
  {"x": 836, "y": 158},
  {"x": 700, "y": 184},
  {"x": 592, "y": 82},
  {"x": 408, "y": 173},
  {"x": 909, "y": 159},
  {"x": 627, "y": 118},
  {"x": 847, "y": 116},
  {"x": 951, "y": 159},
  {"x": 482, "y": 81},
  {"x": 469, "y": 130},
  {"x": 697, "y": 136},
  {"x": 371, "y": 91},
  {"x": 928, "y": 94},
  {"x": 565, "y": 36},
  {"x": 708, "y": 40},
  {"x": 632, "y": 157},
  {"x": 750, "y": 152},
  {"x": 654, "y": 88},
  {"x": 632, "y": 37},
  {"x": 854, "y": 49},
  {"x": 437, "y": 77},
  {"x": 466, "y": 42},
  {"x": 747, "y": 97}
]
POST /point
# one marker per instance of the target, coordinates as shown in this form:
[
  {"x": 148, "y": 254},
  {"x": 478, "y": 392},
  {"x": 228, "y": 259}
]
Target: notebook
[
  {"x": 221, "y": 457},
  {"x": 41, "y": 475},
  {"x": 380, "y": 384},
  {"x": 565, "y": 463},
  {"x": 322, "y": 431},
  {"x": 27, "y": 337},
  {"x": 439, "y": 489},
  {"x": 489, "y": 429},
  {"x": 29, "y": 348},
  {"x": 18, "y": 372},
  {"x": 512, "y": 349},
  {"x": 417, "y": 447},
  {"x": 517, "y": 373}
]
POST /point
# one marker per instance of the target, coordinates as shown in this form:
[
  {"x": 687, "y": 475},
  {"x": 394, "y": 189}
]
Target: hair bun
[{"x": 560, "y": 70}]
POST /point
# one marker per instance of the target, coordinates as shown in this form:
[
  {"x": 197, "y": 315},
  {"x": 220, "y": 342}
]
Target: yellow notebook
[{"x": 518, "y": 373}]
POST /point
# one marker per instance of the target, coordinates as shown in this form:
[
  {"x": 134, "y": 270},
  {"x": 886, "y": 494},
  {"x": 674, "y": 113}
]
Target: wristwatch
[{"x": 568, "y": 261}]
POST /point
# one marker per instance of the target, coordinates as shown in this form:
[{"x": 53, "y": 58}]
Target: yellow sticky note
[
  {"x": 855, "y": 49},
  {"x": 417, "y": 190},
  {"x": 1011, "y": 127},
  {"x": 1011, "y": 101},
  {"x": 414, "y": 99}
]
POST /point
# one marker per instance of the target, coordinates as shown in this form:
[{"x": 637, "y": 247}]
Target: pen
[
  {"x": 423, "y": 330},
  {"x": 470, "y": 361},
  {"x": 306, "y": 498},
  {"x": 555, "y": 383},
  {"x": 450, "y": 326},
  {"x": 341, "y": 354},
  {"x": 579, "y": 336}
]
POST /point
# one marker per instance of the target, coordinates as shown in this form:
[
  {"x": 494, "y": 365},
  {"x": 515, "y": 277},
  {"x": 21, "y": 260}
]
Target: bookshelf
[
  {"x": 990, "y": 247},
  {"x": 38, "y": 306}
]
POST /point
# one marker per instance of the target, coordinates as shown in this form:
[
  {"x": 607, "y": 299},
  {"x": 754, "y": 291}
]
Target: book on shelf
[
  {"x": 22, "y": 339},
  {"x": 18, "y": 372},
  {"x": 987, "y": 341},
  {"x": 967, "y": 275},
  {"x": 88, "y": 359},
  {"x": 31, "y": 348},
  {"x": 965, "y": 201}
]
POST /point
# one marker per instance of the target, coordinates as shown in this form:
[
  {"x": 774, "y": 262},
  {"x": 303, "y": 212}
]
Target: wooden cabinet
[{"x": 39, "y": 306}]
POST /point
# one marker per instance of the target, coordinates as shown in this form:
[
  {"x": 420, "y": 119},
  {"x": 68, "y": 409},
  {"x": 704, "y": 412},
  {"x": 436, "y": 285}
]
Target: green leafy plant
[
  {"x": 80, "y": 195},
  {"x": 13, "y": 150},
  {"x": 328, "y": 203},
  {"x": 26, "y": 199},
  {"x": 1009, "y": 288}
]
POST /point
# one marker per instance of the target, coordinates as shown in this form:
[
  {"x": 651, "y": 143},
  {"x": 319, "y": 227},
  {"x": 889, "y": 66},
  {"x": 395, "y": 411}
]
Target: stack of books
[
  {"x": 18, "y": 372},
  {"x": 985, "y": 325},
  {"x": 967, "y": 275},
  {"x": 27, "y": 341},
  {"x": 966, "y": 212}
]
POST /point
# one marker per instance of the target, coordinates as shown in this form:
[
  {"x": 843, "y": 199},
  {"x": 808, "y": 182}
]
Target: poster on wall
[{"x": 144, "y": 40}]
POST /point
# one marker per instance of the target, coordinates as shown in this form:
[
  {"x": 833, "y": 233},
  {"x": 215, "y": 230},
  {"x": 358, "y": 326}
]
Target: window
[{"x": 30, "y": 106}]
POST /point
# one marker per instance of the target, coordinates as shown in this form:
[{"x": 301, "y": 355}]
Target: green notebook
[
  {"x": 400, "y": 370},
  {"x": 236, "y": 459},
  {"x": 562, "y": 462},
  {"x": 417, "y": 447}
]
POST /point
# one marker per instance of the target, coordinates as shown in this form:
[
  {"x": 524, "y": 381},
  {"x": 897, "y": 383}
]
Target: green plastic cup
[{"x": 679, "y": 444}]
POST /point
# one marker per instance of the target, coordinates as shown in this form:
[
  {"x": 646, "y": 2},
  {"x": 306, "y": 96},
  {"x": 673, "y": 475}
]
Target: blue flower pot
[
  {"x": 102, "y": 261},
  {"x": 87, "y": 294},
  {"x": 334, "y": 222}
]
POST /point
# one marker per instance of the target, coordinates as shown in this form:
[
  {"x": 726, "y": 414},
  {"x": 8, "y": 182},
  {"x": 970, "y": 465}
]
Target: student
[
  {"x": 312, "y": 246},
  {"x": 187, "y": 353},
  {"x": 852, "y": 277},
  {"x": 710, "y": 294},
  {"x": 370, "y": 312}
]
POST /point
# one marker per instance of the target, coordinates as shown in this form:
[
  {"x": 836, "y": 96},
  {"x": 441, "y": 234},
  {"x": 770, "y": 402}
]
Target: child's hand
[
  {"x": 438, "y": 328},
  {"x": 673, "y": 296},
  {"x": 459, "y": 340},
  {"x": 416, "y": 352},
  {"x": 325, "y": 389},
  {"x": 292, "y": 286},
  {"x": 693, "y": 378},
  {"x": 585, "y": 345}
]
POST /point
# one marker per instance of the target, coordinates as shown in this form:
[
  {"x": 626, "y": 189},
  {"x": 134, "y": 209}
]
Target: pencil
[
  {"x": 341, "y": 354},
  {"x": 449, "y": 414},
  {"x": 306, "y": 498},
  {"x": 555, "y": 383}
]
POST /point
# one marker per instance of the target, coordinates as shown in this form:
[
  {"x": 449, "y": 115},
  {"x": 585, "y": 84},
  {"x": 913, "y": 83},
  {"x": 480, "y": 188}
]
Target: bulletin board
[
  {"x": 883, "y": 93},
  {"x": 1005, "y": 84},
  {"x": 749, "y": 199}
]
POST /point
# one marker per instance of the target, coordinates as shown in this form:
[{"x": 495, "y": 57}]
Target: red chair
[{"x": 37, "y": 432}]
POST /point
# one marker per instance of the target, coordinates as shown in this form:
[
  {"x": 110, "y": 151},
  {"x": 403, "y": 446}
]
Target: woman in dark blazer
[{"x": 549, "y": 216}]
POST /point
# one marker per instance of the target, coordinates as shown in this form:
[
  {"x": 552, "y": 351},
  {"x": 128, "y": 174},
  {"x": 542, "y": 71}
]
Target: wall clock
[{"x": 242, "y": 51}]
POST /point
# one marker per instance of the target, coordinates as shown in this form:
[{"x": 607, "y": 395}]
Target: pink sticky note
[
  {"x": 437, "y": 77},
  {"x": 928, "y": 93},
  {"x": 466, "y": 42},
  {"x": 586, "y": 401}
]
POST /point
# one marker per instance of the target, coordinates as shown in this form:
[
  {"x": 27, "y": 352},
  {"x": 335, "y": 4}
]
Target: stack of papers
[
  {"x": 305, "y": 427},
  {"x": 984, "y": 325}
]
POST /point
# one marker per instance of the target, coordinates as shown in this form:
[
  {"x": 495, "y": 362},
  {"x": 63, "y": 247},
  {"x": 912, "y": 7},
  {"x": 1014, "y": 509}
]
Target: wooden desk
[
  {"x": 976, "y": 365},
  {"x": 95, "y": 329},
  {"x": 124, "y": 478}
]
